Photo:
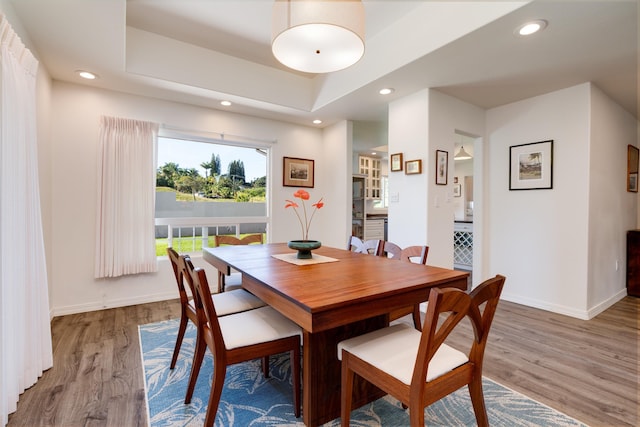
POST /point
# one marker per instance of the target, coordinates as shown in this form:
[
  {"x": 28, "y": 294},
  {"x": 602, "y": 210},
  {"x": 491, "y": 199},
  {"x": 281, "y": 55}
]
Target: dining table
[{"x": 335, "y": 295}]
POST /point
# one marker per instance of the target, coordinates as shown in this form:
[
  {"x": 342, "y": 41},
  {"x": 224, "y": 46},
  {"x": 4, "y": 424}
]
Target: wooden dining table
[{"x": 339, "y": 295}]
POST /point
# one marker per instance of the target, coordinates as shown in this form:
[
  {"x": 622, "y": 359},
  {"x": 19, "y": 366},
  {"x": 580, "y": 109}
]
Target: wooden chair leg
[
  {"x": 217, "y": 383},
  {"x": 265, "y": 366},
  {"x": 295, "y": 372},
  {"x": 181, "y": 331},
  {"x": 416, "y": 416},
  {"x": 417, "y": 320},
  {"x": 477, "y": 399},
  {"x": 220, "y": 281},
  {"x": 346, "y": 394},
  {"x": 198, "y": 356}
]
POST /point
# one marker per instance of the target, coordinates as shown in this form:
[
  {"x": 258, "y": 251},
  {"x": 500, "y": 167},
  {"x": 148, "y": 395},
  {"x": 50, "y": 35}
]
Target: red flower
[{"x": 304, "y": 195}]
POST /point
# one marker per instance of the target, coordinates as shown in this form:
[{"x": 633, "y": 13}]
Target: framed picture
[
  {"x": 396, "y": 162},
  {"x": 457, "y": 190},
  {"x": 442, "y": 167},
  {"x": 632, "y": 169},
  {"x": 413, "y": 167},
  {"x": 297, "y": 172},
  {"x": 531, "y": 166}
]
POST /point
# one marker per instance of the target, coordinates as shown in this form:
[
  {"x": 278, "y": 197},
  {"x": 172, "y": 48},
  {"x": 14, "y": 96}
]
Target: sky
[{"x": 189, "y": 154}]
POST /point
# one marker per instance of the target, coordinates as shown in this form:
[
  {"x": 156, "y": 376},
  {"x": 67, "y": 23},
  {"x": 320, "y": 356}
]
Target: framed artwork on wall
[
  {"x": 297, "y": 172},
  {"x": 457, "y": 190},
  {"x": 632, "y": 169},
  {"x": 442, "y": 167},
  {"x": 413, "y": 167},
  {"x": 531, "y": 166},
  {"x": 396, "y": 162}
]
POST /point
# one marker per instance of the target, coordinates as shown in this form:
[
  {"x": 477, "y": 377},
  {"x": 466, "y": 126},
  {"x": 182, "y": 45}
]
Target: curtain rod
[{"x": 176, "y": 132}]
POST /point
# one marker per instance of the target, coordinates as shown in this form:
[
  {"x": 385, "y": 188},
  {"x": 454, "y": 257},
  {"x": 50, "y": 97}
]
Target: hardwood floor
[{"x": 586, "y": 369}]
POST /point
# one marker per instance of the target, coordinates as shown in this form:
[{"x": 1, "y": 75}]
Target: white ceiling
[{"x": 204, "y": 51}]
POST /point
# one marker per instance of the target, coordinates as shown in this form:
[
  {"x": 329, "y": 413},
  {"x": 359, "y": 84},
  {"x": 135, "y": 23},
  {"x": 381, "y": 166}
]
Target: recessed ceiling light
[
  {"x": 87, "y": 74},
  {"x": 317, "y": 121},
  {"x": 531, "y": 27},
  {"x": 373, "y": 153},
  {"x": 386, "y": 91},
  {"x": 225, "y": 103}
]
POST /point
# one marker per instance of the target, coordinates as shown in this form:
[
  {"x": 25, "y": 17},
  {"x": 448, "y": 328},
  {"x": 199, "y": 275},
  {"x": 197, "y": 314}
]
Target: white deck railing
[{"x": 204, "y": 224}]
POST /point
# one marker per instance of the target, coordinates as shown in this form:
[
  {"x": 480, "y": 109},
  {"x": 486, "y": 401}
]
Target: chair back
[
  {"x": 233, "y": 240},
  {"x": 205, "y": 308},
  {"x": 371, "y": 247},
  {"x": 484, "y": 302},
  {"x": 391, "y": 250},
  {"x": 417, "y": 254},
  {"x": 174, "y": 257},
  {"x": 450, "y": 304}
]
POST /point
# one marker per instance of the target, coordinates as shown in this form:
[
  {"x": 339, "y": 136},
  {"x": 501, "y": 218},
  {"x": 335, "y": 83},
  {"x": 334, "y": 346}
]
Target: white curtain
[
  {"x": 25, "y": 333},
  {"x": 125, "y": 232}
]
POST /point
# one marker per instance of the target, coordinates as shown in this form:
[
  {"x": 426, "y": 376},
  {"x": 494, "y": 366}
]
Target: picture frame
[
  {"x": 297, "y": 172},
  {"x": 413, "y": 167},
  {"x": 457, "y": 190},
  {"x": 442, "y": 167},
  {"x": 632, "y": 168},
  {"x": 531, "y": 166},
  {"x": 395, "y": 163}
]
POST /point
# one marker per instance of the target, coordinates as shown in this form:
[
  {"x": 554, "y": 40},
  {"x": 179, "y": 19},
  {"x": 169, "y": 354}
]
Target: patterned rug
[{"x": 248, "y": 399}]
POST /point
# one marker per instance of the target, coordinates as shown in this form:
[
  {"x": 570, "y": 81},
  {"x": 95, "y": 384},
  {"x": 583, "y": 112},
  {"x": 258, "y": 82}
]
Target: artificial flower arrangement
[{"x": 305, "y": 221}]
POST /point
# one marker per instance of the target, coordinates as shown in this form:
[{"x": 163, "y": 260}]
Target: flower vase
[{"x": 304, "y": 247}]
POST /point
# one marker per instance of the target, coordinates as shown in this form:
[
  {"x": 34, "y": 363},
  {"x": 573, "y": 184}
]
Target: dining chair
[
  {"x": 228, "y": 303},
  {"x": 418, "y": 368},
  {"x": 239, "y": 338},
  {"x": 234, "y": 280},
  {"x": 372, "y": 247},
  {"x": 416, "y": 254}
]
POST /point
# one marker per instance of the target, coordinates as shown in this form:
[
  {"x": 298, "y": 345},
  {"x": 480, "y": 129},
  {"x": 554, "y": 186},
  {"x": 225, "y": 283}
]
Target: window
[{"x": 208, "y": 188}]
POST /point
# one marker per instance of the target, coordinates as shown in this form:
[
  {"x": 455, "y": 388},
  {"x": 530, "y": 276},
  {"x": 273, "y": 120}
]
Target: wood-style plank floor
[{"x": 586, "y": 369}]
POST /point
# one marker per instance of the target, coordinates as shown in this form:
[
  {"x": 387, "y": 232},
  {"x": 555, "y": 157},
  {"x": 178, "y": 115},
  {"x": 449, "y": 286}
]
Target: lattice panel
[{"x": 463, "y": 248}]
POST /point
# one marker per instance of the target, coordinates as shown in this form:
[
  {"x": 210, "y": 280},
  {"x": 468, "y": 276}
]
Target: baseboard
[
  {"x": 568, "y": 311},
  {"x": 103, "y": 305},
  {"x": 599, "y": 308}
]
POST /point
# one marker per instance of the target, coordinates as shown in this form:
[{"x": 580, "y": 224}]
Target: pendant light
[
  {"x": 318, "y": 36},
  {"x": 462, "y": 155}
]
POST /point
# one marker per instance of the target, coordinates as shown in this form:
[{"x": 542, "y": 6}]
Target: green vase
[{"x": 304, "y": 247}]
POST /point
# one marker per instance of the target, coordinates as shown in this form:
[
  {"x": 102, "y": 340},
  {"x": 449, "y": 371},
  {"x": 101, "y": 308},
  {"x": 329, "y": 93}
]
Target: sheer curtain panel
[
  {"x": 25, "y": 332},
  {"x": 125, "y": 232}
]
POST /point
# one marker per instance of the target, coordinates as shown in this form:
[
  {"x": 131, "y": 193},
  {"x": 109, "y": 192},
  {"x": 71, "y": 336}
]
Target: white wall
[
  {"x": 448, "y": 115},
  {"x": 612, "y": 210},
  {"x": 75, "y": 116},
  {"x": 408, "y": 194},
  {"x": 543, "y": 240}
]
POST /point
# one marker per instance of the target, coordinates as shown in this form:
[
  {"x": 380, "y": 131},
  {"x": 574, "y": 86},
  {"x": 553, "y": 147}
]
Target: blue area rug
[{"x": 248, "y": 399}]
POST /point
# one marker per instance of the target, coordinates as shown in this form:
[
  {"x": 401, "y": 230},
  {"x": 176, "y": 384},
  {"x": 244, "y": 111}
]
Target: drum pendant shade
[{"x": 318, "y": 36}]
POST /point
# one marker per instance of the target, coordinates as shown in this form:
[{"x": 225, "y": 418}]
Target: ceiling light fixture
[
  {"x": 225, "y": 103},
  {"x": 318, "y": 36},
  {"x": 87, "y": 74},
  {"x": 386, "y": 91},
  {"x": 531, "y": 27},
  {"x": 462, "y": 155},
  {"x": 317, "y": 121}
]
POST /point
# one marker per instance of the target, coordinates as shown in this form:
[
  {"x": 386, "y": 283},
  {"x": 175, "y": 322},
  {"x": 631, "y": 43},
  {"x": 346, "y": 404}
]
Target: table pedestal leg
[{"x": 321, "y": 372}]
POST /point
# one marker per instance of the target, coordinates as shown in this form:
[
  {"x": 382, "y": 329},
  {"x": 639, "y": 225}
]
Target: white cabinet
[
  {"x": 374, "y": 229},
  {"x": 370, "y": 166},
  {"x": 358, "y": 209}
]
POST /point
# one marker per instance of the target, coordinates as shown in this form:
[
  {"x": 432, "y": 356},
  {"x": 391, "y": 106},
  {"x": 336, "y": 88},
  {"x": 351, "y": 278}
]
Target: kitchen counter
[{"x": 466, "y": 219}]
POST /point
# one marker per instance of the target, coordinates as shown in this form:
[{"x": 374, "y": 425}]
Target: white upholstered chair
[
  {"x": 239, "y": 338},
  {"x": 417, "y": 368},
  {"x": 227, "y": 303}
]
